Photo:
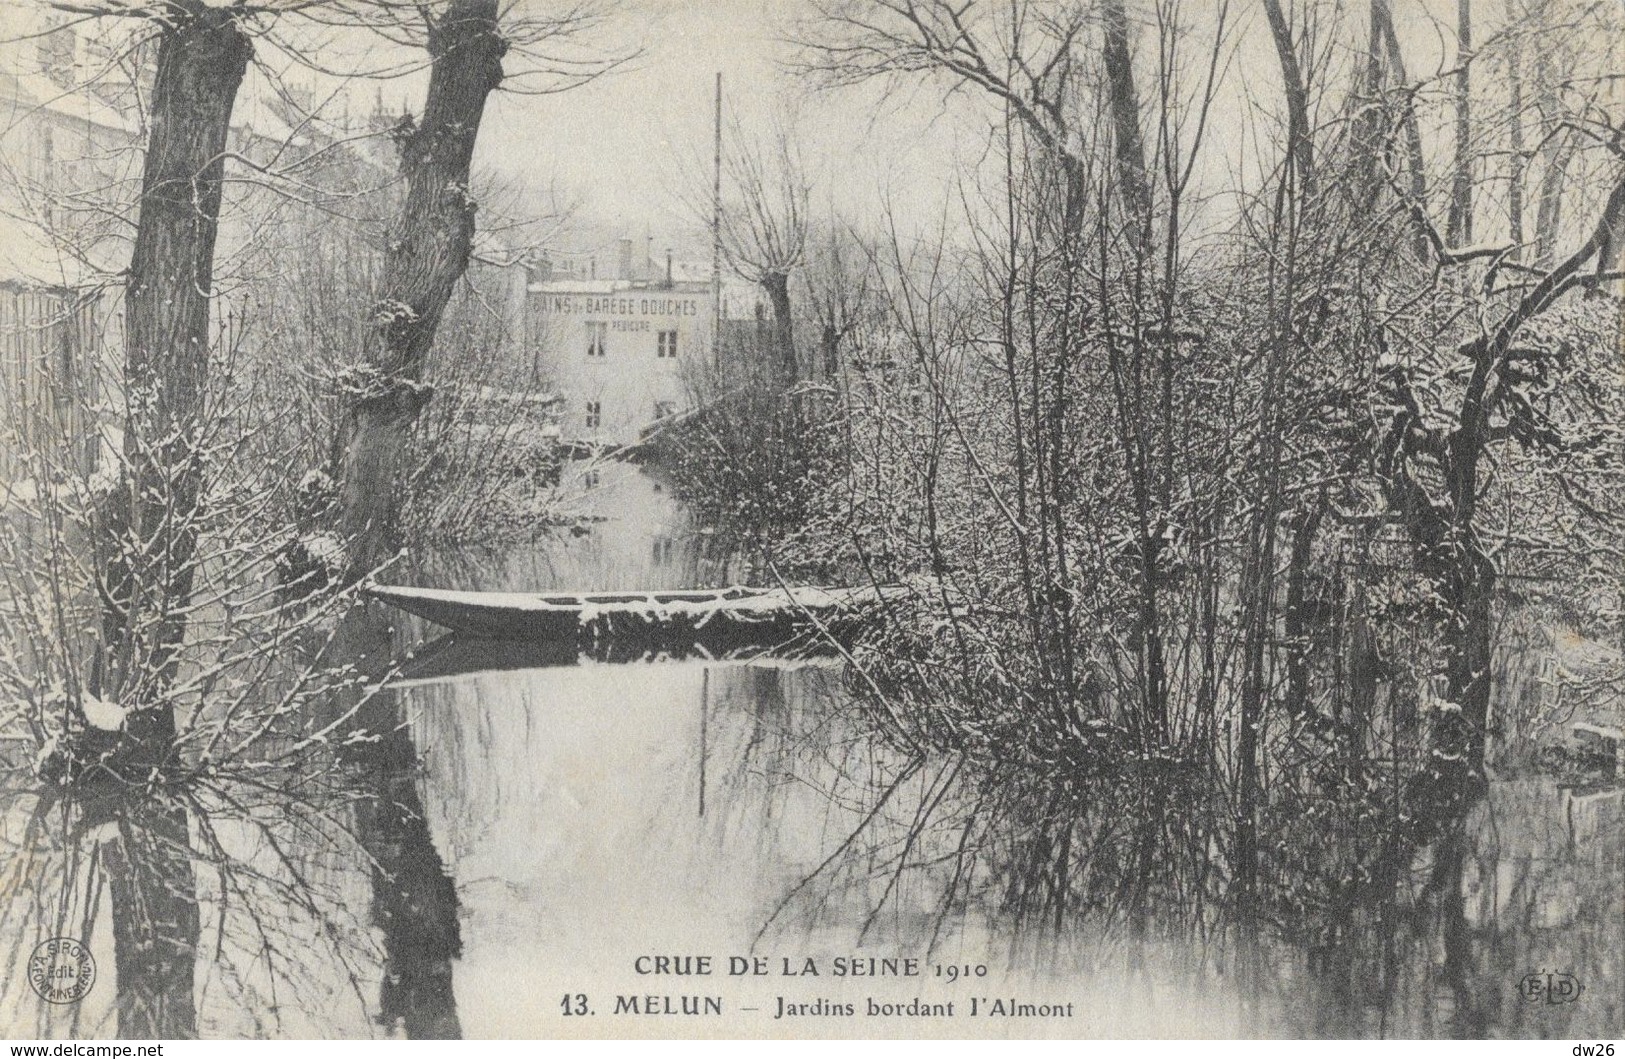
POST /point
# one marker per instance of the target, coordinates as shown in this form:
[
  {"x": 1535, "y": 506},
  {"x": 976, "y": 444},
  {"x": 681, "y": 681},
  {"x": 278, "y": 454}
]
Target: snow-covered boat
[{"x": 721, "y": 616}]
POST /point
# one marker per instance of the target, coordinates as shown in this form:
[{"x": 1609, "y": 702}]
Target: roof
[
  {"x": 26, "y": 91},
  {"x": 691, "y": 271},
  {"x": 613, "y": 286},
  {"x": 580, "y": 286},
  {"x": 29, "y": 256}
]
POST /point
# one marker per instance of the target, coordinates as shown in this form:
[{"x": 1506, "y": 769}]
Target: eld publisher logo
[
  {"x": 1552, "y": 987},
  {"x": 61, "y": 971}
]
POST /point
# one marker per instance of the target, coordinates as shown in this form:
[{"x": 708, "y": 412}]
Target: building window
[
  {"x": 590, "y": 479},
  {"x": 668, "y": 345},
  {"x": 44, "y": 155},
  {"x": 597, "y": 338},
  {"x": 662, "y": 550},
  {"x": 595, "y": 414},
  {"x": 665, "y": 409},
  {"x": 56, "y": 48}
]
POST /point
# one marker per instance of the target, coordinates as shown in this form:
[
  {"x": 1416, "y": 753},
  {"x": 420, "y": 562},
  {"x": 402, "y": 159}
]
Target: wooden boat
[{"x": 724, "y": 617}]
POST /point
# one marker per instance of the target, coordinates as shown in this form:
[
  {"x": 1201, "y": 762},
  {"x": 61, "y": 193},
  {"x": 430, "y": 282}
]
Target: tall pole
[
  {"x": 716, "y": 233},
  {"x": 705, "y": 713}
]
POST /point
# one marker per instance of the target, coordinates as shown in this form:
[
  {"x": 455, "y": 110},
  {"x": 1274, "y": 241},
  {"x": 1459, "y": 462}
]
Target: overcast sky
[
  {"x": 629, "y": 143},
  {"x": 629, "y": 147},
  {"x": 632, "y": 143}
]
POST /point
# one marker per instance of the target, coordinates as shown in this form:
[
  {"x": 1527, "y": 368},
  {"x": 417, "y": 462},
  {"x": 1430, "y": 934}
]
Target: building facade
[
  {"x": 623, "y": 353},
  {"x": 69, "y": 146}
]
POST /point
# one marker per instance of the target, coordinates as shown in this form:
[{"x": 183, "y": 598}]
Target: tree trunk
[
  {"x": 151, "y": 537},
  {"x": 777, "y": 285},
  {"x": 1139, "y": 430},
  {"x": 428, "y": 253},
  {"x": 1299, "y": 146},
  {"x": 1459, "y": 222},
  {"x": 1465, "y": 580},
  {"x": 1385, "y": 42},
  {"x": 1516, "y": 162},
  {"x": 1415, "y": 161},
  {"x": 1125, "y": 109},
  {"x": 1549, "y": 210},
  {"x": 1364, "y": 667},
  {"x": 1558, "y": 151},
  {"x": 1296, "y": 619},
  {"x": 829, "y": 346},
  {"x": 1468, "y": 642},
  {"x": 1370, "y": 120}
]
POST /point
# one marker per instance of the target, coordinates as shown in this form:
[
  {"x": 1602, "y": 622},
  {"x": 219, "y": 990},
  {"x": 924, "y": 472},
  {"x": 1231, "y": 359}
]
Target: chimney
[
  {"x": 668, "y": 267},
  {"x": 625, "y": 246}
]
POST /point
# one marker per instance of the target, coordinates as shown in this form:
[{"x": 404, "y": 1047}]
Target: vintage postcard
[{"x": 812, "y": 519}]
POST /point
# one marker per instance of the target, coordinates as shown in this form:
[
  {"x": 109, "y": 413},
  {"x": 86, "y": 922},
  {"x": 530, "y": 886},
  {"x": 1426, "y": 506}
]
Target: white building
[
  {"x": 72, "y": 140},
  {"x": 69, "y": 147},
  {"x": 622, "y": 352}
]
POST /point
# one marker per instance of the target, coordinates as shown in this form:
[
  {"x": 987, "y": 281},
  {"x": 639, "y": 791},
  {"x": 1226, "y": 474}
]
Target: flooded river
[{"x": 569, "y": 825}]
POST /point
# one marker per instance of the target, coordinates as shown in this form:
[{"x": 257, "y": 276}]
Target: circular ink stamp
[{"x": 61, "y": 971}]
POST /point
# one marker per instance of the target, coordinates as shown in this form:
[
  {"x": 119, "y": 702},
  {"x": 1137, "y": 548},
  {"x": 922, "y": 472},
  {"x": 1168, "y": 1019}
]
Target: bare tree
[
  {"x": 1299, "y": 136},
  {"x": 428, "y": 252},
  {"x": 1459, "y": 224},
  {"x": 764, "y": 224},
  {"x": 150, "y": 537},
  {"x": 429, "y": 249},
  {"x": 1091, "y": 260},
  {"x": 1139, "y": 346}
]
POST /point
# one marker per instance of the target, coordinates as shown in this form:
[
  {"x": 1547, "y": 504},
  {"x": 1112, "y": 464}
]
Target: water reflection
[
  {"x": 1510, "y": 888},
  {"x": 776, "y": 823},
  {"x": 210, "y": 912},
  {"x": 152, "y": 892},
  {"x": 509, "y": 824},
  {"x": 632, "y": 535},
  {"x": 414, "y": 904},
  {"x": 414, "y": 900}
]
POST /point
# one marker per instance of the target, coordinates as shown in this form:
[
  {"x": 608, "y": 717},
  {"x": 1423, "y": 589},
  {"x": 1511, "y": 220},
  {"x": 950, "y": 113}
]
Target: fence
[{"x": 49, "y": 381}]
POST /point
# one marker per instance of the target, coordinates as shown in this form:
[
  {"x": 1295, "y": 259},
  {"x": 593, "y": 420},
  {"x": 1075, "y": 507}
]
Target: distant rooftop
[{"x": 611, "y": 286}]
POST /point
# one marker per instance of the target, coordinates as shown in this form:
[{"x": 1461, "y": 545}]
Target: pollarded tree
[
  {"x": 151, "y": 536},
  {"x": 427, "y": 253},
  {"x": 431, "y": 241},
  {"x": 763, "y": 220}
]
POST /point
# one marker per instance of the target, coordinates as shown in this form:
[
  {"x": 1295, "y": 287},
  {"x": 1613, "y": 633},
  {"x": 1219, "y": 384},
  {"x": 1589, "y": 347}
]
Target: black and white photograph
[{"x": 812, "y": 519}]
